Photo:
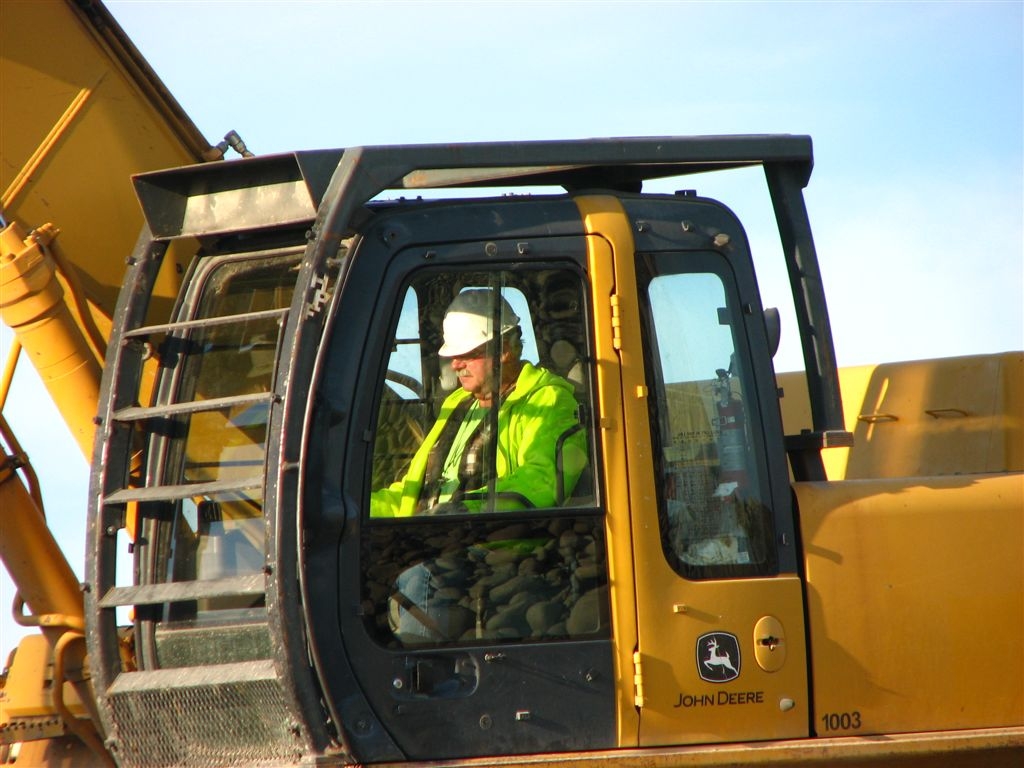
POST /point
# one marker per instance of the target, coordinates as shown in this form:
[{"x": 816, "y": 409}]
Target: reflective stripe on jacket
[{"x": 531, "y": 421}]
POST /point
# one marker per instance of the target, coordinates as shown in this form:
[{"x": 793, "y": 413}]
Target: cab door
[
  {"x": 476, "y": 625},
  {"x": 719, "y": 652}
]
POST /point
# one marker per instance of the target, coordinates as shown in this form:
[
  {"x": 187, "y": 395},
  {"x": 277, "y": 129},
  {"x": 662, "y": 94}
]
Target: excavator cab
[
  {"x": 281, "y": 571},
  {"x": 270, "y": 611}
]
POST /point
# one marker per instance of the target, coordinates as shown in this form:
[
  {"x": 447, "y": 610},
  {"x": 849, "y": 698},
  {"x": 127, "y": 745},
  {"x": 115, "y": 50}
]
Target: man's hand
[{"x": 449, "y": 508}]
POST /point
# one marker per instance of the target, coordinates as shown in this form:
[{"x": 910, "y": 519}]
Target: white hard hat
[{"x": 468, "y": 323}]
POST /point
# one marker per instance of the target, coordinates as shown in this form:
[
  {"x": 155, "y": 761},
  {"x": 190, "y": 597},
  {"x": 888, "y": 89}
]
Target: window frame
[
  {"x": 591, "y": 509},
  {"x": 739, "y": 313}
]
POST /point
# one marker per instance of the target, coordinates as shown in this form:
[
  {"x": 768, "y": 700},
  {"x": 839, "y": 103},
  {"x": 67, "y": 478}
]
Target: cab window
[
  {"x": 221, "y": 534},
  {"x": 481, "y": 520},
  {"x": 713, "y": 499}
]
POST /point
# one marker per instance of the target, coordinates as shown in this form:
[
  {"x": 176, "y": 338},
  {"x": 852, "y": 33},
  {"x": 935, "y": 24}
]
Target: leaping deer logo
[
  {"x": 718, "y": 657},
  {"x": 715, "y": 659}
]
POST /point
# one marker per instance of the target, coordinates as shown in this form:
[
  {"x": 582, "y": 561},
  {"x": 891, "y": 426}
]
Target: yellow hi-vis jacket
[{"x": 540, "y": 445}]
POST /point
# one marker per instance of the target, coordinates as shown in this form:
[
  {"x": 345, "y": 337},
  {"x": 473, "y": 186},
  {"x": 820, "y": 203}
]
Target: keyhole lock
[{"x": 769, "y": 644}]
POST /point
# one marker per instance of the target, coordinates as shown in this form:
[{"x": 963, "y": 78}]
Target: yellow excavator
[{"x": 728, "y": 565}]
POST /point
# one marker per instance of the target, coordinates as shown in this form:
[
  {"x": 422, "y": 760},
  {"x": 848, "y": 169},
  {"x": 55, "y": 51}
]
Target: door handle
[
  {"x": 769, "y": 644},
  {"x": 445, "y": 677}
]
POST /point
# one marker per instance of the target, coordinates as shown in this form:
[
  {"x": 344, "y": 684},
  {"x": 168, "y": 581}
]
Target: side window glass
[
  {"x": 405, "y": 406},
  {"x": 222, "y": 359},
  {"x": 416, "y": 383},
  {"x": 221, "y": 534},
  {"x": 715, "y": 520},
  {"x": 482, "y": 518}
]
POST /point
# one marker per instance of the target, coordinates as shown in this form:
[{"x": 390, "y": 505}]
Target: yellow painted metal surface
[
  {"x": 989, "y": 748},
  {"x": 958, "y": 415},
  {"x": 26, "y": 690},
  {"x": 914, "y": 603},
  {"x": 32, "y": 303},
  {"x": 616, "y": 482},
  {"x": 26, "y": 700},
  {"x": 81, "y": 113},
  {"x": 675, "y": 705},
  {"x": 45, "y": 581}
]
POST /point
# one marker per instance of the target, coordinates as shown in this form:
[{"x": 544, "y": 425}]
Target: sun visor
[{"x": 227, "y": 196}]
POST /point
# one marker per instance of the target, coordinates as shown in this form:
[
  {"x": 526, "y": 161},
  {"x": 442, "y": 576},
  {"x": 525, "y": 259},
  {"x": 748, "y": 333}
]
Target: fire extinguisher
[{"x": 732, "y": 449}]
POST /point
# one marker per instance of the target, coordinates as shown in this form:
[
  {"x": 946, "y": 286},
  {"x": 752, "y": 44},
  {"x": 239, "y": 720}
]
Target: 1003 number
[{"x": 841, "y": 721}]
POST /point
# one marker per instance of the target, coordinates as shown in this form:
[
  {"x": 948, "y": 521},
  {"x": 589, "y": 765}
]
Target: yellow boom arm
[{"x": 81, "y": 112}]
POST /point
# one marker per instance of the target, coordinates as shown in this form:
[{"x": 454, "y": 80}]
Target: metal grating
[{"x": 224, "y": 724}]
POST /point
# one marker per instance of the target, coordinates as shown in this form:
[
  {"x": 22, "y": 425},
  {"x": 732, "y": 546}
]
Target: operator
[{"x": 452, "y": 470}]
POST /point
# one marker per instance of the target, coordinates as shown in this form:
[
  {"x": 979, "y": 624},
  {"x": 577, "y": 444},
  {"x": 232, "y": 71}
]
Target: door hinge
[
  {"x": 616, "y": 322},
  {"x": 638, "y": 680},
  {"x": 319, "y": 295}
]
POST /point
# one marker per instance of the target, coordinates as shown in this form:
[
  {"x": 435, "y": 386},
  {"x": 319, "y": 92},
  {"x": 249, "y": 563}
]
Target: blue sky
[{"x": 916, "y": 110}]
